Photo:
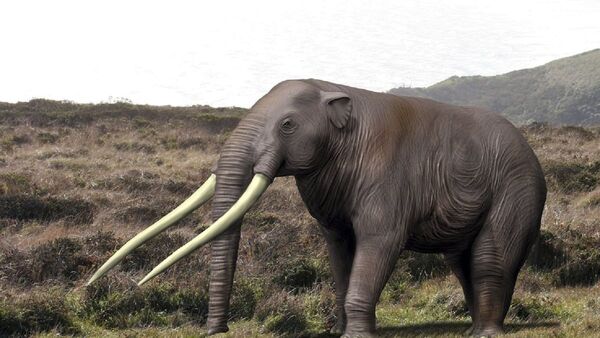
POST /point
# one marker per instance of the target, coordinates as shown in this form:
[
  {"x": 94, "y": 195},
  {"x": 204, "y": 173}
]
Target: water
[{"x": 231, "y": 53}]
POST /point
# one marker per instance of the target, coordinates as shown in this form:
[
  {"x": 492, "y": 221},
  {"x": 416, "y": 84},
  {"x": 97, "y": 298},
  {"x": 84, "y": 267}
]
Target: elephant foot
[
  {"x": 217, "y": 329},
  {"x": 338, "y": 328},
  {"x": 486, "y": 332},
  {"x": 469, "y": 331}
]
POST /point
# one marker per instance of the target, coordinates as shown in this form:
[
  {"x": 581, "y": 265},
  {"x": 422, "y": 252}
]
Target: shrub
[
  {"x": 591, "y": 200},
  {"x": 181, "y": 142},
  {"x": 64, "y": 259},
  {"x": 573, "y": 259},
  {"x": 155, "y": 250},
  {"x": 68, "y": 165},
  {"x": 297, "y": 275},
  {"x": 261, "y": 219},
  {"x": 139, "y": 214},
  {"x": 37, "y": 312},
  {"x": 28, "y": 207},
  {"x": 132, "y": 181},
  {"x": 7, "y": 143},
  {"x": 101, "y": 243},
  {"x": 140, "y": 122},
  {"x": 14, "y": 266},
  {"x": 138, "y": 181},
  {"x": 444, "y": 303},
  {"x": 244, "y": 298},
  {"x": 572, "y": 177},
  {"x": 14, "y": 183},
  {"x": 47, "y": 138},
  {"x": 319, "y": 308},
  {"x": 532, "y": 309},
  {"x": 21, "y": 139},
  {"x": 422, "y": 266},
  {"x": 581, "y": 270},
  {"x": 281, "y": 313},
  {"x": 113, "y": 304},
  {"x": 60, "y": 258},
  {"x": 180, "y": 187},
  {"x": 136, "y": 147},
  {"x": 397, "y": 286},
  {"x": 577, "y": 131},
  {"x": 548, "y": 252}
]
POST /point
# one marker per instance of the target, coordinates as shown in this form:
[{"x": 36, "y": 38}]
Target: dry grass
[{"x": 76, "y": 181}]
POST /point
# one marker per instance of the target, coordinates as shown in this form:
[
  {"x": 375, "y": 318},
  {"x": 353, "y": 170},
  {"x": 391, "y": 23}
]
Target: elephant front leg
[
  {"x": 340, "y": 246},
  {"x": 373, "y": 264}
]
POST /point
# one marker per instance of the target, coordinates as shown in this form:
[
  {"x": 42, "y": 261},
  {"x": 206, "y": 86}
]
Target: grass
[
  {"x": 564, "y": 91},
  {"x": 77, "y": 181},
  {"x": 40, "y": 311}
]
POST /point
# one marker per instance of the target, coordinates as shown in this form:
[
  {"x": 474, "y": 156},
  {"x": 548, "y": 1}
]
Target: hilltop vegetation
[
  {"x": 565, "y": 91},
  {"x": 77, "y": 181}
]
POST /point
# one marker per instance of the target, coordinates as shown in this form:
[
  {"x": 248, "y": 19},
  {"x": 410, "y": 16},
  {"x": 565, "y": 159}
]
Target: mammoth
[{"x": 381, "y": 174}]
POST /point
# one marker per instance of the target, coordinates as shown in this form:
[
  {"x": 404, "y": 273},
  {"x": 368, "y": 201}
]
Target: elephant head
[{"x": 289, "y": 131}]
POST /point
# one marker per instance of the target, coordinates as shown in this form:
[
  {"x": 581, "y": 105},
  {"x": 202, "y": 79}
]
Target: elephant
[{"x": 381, "y": 174}]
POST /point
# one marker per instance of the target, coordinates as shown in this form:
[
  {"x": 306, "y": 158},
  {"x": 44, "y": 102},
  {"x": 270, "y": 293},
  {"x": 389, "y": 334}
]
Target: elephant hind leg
[
  {"x": 497, "y": 254},
  {"x": 492, "y": 286},
  {"x": 460, "y": 263}
]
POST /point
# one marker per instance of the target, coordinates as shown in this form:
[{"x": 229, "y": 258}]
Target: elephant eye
[{"x": 288, "y": 126}]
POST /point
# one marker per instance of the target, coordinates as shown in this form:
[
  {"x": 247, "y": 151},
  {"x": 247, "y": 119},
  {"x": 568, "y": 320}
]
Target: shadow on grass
[{"x": 443, "y": 329}]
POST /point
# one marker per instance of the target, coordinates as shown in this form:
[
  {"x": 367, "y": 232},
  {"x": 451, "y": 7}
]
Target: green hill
[{"x": 564, "y": 91}]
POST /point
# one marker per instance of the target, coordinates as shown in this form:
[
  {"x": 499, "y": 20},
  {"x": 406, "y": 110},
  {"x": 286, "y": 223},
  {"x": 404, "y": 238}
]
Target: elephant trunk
[
  {"x": 243, "y": 174},
  {"x": 234, "y": 172}
]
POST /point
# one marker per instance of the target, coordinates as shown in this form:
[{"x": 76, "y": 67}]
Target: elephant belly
[{"x": 433, "y": 236}]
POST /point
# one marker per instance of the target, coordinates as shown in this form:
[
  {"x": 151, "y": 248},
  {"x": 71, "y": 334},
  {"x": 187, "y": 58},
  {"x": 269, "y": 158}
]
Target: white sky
[{"x": 225, "y": 53}]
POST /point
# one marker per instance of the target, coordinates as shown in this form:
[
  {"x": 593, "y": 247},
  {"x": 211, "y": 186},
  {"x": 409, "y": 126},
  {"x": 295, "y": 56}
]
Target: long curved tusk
[
  {"x": 203, "y": 194},
  {"x": 255, "y": 189}
]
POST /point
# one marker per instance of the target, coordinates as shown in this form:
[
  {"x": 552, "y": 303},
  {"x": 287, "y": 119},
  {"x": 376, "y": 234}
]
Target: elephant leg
[
  {"x": 374, "y": 262},
  {"x": 492, "y": 287},
  {"x": 341, "y": 254},
  {"x": 460, "y": 263},
  {"x": 498, "y": 253}
]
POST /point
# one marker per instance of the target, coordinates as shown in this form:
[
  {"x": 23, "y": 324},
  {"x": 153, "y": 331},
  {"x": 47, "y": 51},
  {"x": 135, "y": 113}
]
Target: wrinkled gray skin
[{"x": 382, "y": 174}]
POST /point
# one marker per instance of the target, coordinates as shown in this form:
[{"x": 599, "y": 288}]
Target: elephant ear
[{"x": 338, "y": 106}]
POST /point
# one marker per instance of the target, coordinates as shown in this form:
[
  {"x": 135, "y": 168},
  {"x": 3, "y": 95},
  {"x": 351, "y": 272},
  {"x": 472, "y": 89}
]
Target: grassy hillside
[
  {"x": 565, "y": 91},
  {"x": 76, "y": 181}
]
